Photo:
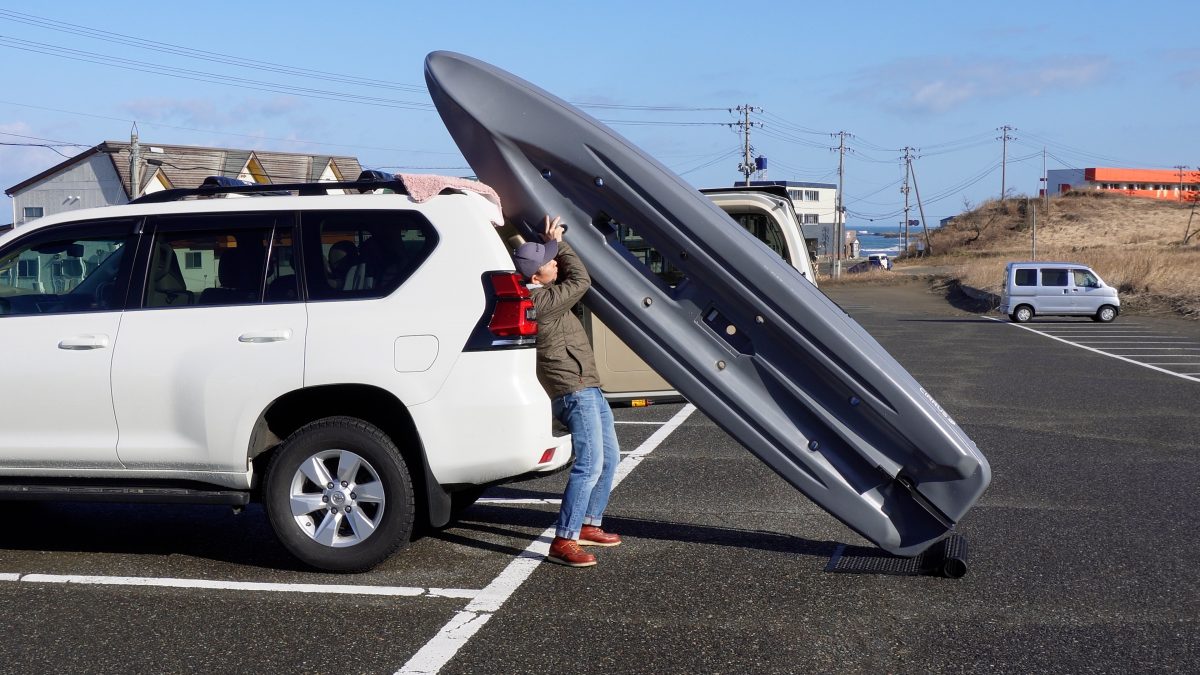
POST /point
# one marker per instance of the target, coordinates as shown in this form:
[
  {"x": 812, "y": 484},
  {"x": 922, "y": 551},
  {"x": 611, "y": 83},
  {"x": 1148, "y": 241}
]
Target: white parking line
[
  {"x": 1114, "y": 342},
  {"x": 506, "y": 500},
  {"x": 1184, "y": 376},
  {"x": 658, "y": 424},
  {"x": 329, "y": 589},
  {"x": 1121, "y": 336},
  {"x": 454, "y": 635}
]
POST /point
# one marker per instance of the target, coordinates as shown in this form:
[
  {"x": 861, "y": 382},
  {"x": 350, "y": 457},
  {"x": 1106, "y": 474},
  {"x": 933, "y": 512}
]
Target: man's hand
[{"x": 553, "y": 229}]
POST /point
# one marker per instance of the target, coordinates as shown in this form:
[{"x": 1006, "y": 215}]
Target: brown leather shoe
[
  {"x": 567, "y": 552},
  {"x": 591, "y": 535}
]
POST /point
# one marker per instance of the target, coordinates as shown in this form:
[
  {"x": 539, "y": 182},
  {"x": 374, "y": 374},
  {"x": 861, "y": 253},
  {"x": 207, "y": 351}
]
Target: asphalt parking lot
[{"x": 1082, "y": 553}]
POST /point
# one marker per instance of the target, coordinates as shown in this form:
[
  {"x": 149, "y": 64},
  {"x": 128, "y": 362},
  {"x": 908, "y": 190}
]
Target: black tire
[
  {"x": 1105, "y": 314},
  {"x": 1021, "y": 314},
  {"x": 351, "y": 527}
]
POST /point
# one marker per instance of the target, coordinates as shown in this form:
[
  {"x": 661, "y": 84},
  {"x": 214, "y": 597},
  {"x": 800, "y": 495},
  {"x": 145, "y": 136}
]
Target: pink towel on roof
[{"x": 423, "y": 187}]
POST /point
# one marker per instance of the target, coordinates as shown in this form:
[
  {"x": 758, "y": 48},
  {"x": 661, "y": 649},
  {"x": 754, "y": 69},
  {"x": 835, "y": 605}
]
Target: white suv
[{"x": 355, "y": 361}]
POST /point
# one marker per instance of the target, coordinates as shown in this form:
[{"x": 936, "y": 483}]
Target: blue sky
[{"x": 1095, "y": 84}]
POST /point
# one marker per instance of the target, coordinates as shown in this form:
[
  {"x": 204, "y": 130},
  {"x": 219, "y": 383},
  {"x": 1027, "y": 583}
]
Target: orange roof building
[{"x": 1170, "y": 184}]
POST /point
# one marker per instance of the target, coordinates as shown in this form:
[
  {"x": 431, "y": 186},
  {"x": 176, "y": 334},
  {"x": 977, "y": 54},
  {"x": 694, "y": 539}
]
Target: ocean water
[
  {"x": 871, "y": 239},
  {"x": 875, "y": 238}
]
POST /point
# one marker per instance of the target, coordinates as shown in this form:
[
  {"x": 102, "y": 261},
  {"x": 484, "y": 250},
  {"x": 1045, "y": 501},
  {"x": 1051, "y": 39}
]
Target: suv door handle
[
  {"x": 84, "y": 342},
  {"x": 262, "y": 336}
]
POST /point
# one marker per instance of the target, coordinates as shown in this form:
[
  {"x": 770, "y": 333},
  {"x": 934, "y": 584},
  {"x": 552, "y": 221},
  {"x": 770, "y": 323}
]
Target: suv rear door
[
  {"x": 61, "y": 295},
  {"x": 217, "y": 335}
]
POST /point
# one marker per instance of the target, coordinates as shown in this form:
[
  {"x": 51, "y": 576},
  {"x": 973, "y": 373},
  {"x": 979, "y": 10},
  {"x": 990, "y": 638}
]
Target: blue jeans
[{"x": 594, "y": 438}]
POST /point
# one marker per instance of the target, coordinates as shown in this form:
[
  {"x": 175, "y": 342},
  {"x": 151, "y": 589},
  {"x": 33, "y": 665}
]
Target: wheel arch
[{"x": 371, "y": 404}]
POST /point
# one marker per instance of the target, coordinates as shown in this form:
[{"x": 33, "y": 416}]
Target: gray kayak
[{"x": 743, "y": 335}]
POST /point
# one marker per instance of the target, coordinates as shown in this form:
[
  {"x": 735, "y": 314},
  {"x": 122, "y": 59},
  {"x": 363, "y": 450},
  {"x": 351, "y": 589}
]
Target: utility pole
[
  {"x": 921, "y": 209},
  {"x": 747, "y": 166},
  {"x": 1004, "y": 138},
  {"x": 1187, "y": 230},
  {"x": 839, "y": 215},
  {"x": 135, "y": 164},
  {"x": 1033, "y": 218},
  {"x": 1180, "y": 168},
  {"x": 1045, "y": 185},
  {"x": 904, "y": 189}
]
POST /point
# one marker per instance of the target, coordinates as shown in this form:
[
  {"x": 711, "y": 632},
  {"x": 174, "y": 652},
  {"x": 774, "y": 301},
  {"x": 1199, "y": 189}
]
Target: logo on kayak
[{"x": 938, "y": 407}]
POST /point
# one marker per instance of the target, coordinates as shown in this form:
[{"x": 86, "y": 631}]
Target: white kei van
[{"x": 1056, "y": 289}]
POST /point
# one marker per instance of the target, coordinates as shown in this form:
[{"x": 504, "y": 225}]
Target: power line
[
  {"x": 968, "y": 139},
  {"x": 257, "y": 65},
  {"x": 203, "y": 76},
  {"x": 777, "y": 120},
  {"x": 781, "y": 136},
  {"x": 775, "y": 127},
  {"x": 1089, "y": 156},
  {"x": 817, "y": 174},
  {"x": 720, "y": 158},
  {"x": 654, "y": 108},
  {"x": 875, "y": 192},
  {"x": 217, "y": 132},
  {"x": 200, "y": 54},
  {"x": 667, "y": 123},
  {"x": 47, "y": 140},
  {"x": 48, "y": 146}
]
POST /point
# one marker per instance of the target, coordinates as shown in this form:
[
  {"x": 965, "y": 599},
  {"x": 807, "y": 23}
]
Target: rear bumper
[{"x": 490, "y": 421}]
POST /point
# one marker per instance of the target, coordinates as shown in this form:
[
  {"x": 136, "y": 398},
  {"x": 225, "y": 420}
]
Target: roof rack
[
  {"x": 213, "y": 186},
  {"x": 777, "y": 190}
]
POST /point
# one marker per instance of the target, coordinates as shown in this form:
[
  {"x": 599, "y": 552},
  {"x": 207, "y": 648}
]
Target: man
[{"x": 566, "y": 368}]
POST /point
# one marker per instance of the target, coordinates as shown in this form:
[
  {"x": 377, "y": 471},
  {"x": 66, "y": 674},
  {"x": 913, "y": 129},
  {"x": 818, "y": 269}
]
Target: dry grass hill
[{"x": 1138, "y": 245}]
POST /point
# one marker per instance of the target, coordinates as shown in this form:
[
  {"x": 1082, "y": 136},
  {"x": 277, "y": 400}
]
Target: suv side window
[
  {"x": 219, "y": 260},
  {"x": 1054, "y": 277},
  {"x": 362, "y": 254},
  {"x": 82, "y": 269},
  {"x": 1025, "y": 277}
]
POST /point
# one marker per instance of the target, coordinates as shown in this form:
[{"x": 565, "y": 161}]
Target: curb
[
  {"x": 981, "y": 295},
  {"x": 990, "y": 299}
]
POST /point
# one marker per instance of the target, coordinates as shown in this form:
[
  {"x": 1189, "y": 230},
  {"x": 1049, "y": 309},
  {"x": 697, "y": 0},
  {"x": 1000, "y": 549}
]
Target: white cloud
[
  {"x": 14, "y": 128},
  {"x": 941, "y": 95},
  {"x": 206, "y": 114},
  {"x": 23, "y": 161},
  {"x": 1188, "y": 78},
  {"x": 935, "y": 86}
]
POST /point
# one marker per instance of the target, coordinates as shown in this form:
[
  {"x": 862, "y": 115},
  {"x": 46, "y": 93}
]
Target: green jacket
[{"x": 565, "y": 362}]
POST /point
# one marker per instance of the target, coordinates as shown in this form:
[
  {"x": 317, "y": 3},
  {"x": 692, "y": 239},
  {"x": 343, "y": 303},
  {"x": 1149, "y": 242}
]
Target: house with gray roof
[{"x": 104, "y": 175}]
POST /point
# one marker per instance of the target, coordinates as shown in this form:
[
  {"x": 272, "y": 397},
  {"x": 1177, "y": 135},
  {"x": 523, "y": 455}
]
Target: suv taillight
[
  {"x": 514, "y": 313},
  {"x": 509, "y": 319}
]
